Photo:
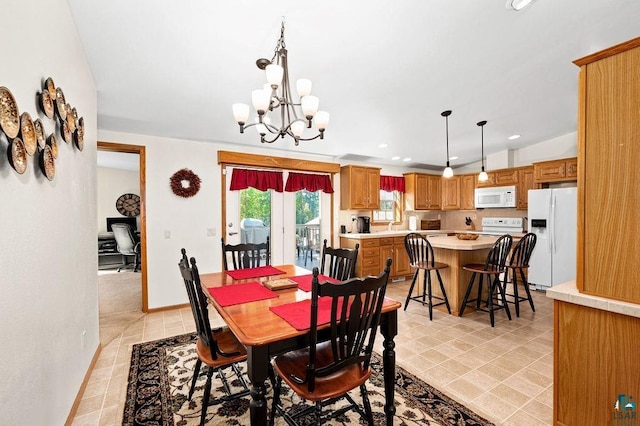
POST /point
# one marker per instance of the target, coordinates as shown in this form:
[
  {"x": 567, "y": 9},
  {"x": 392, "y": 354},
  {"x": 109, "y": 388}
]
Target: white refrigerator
[{"x": 552, "y": 216}]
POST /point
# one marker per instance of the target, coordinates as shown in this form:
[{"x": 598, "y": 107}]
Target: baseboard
[
  {"x": 168, "y": 308},
  {"x": 83, "y": 386}
]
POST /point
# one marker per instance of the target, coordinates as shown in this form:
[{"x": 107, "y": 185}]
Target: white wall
[
  {"x": 111, "y": 184},
  {"x": 48, "y": 258}
]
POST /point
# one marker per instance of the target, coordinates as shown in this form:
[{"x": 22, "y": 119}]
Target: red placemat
[
  {"x": 236, "y": 294},
  {"x": 298, "y": 314},
  {"x": 304, "y": 281},
  {"x": 260, "y": 271}
]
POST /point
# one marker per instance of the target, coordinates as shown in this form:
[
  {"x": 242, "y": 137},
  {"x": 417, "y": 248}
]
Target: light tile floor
[{"x": 504, "y": 373}]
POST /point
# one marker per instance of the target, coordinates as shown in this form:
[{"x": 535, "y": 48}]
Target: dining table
[{"x": 266, "y": 334}]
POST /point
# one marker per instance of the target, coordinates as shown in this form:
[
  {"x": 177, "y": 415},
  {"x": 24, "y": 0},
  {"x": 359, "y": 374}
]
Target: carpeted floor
[
  {"x": 119, "y": 302},
  {"x": 161, "y": 370}
]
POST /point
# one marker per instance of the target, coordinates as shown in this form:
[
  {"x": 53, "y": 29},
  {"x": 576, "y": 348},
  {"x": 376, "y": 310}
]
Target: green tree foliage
[
  {"x": 307, "y": 206},
  {"x": 257, "y": 205}
]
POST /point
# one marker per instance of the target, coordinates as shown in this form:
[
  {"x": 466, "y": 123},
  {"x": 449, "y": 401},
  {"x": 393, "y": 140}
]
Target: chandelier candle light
[
  {"x": 275, "y": 94},
  {"x": 448, "y": 171},
  {"x": 482, "y": 177}
]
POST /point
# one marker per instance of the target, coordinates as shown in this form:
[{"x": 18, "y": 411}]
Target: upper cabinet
[
  {"x": 491, "y": 181},
  {"x": 562, "y": 170},
  {"x": 451, "y": 193},
  {"x": 422, "y": 191},
  {"x": 359, "y": 188},
  {"x": 525, "y": 183},
  {"x": 506, "y": 177},
  {"x": 608, "y": 149},
  {"x": 467, "y": 192}
]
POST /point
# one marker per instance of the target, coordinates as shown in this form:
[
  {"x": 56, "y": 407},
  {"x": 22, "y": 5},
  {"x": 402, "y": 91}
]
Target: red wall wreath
[{"x": 185, "y": 183}]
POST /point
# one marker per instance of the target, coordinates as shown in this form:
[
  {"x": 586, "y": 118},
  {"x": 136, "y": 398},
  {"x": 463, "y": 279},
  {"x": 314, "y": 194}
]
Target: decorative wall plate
[
  {"x": 46, "y": 163},
  {"x": 17, "y": 156},
  {"x": 53, "y": 144},
  {"x": 61, "y": 104},
  {"x": 74, "y": 111},
  {"x": 9, "y": 116},
  {"x": 28, "y": 133},
  {"x": 50, "y": 87},
  {"x": 71, "y": 120},
  {"x": 39, "y": 128},
  {"x": 78, "y": 136},
  {"x": 46, "y": 103},
  {"x": 65, "y": 131}
]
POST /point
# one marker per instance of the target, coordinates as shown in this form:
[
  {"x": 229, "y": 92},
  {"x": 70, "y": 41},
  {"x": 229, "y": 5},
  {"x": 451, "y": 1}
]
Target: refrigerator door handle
[{"x": 552, "y": 237}]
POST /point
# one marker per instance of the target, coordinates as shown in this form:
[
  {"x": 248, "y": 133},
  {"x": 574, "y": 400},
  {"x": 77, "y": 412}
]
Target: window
[{"x": 390, "y": 207}]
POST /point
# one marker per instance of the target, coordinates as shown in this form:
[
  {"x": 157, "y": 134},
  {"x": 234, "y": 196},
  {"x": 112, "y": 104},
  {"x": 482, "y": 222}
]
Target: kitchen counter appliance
[
  {"x": 430, "y": 224},
  {"x": 364, "y": 224},
  {"x": 495, "y": 197}
]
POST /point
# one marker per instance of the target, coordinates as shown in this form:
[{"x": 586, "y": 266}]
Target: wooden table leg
[
  {"x": 257, "y": 370},
  {"x": 389, "y": 329}
]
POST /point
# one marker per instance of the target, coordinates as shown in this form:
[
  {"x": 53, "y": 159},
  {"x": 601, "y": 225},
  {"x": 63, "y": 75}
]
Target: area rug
[{"x": 160, "y": 374}]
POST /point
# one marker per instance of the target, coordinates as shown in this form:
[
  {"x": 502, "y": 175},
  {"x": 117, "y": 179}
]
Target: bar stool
[
  {"x": 492, "y": 268},
  {"x": 518, "y": 262},
  {"x": 421, "y": 257}
]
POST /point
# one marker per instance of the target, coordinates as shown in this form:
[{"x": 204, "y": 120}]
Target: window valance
[
  {"x": 259, "y": 179},
  {"x": 310, "y": 182},
  {"x": 392, "y": 183}
]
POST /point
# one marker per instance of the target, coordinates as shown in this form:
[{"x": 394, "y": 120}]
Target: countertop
[
  {"x": 451, "y": 243},
  {"x": 402, "y": 233},
  {"x": 568, "y": 292}
]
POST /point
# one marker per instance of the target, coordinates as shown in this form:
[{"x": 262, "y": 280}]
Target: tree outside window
[{"x": 390, "y": 207}]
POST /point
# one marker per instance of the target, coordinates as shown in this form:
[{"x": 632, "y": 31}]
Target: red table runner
[
  {"x": 304, "y": 281},
  {"x": 260, "y": 271},
  {"x": 236, "y": 294},
  {"x": 298, "y": 314}
]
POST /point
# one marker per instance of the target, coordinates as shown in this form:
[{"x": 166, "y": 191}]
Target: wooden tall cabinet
[
  {"x": 608, "y": 152},
  {"x": 451, "y": 193},
  {"x": 525, "y": 183},
  {"x": 422, "y": 191},
  {"x": 359, "y": 188}
]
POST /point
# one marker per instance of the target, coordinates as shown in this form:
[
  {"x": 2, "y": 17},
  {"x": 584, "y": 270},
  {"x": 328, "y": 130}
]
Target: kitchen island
[{"x": 446, "y": 249}]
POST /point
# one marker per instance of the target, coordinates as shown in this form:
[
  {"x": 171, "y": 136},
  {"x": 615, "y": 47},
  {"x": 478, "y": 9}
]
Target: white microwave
[{"x": 495, "y": 197}]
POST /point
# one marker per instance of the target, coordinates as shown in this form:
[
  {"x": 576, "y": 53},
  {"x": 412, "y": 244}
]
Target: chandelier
[{"x": 275, "y": 96}]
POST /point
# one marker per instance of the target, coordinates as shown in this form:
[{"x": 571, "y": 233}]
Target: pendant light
[
  {"x": 448, "y": 171},
  {"x": 482, "y": 177}
]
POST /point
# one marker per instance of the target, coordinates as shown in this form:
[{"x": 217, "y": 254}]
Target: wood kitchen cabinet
[
  {"x": 393, "y": 247},
  {"x": 467, "y": 192},
  {"x": 451, "y": 193},
  {"x": 422, "y": 191},
  {"x": 506, "y": 177},
  {"x": 525, "y": 183},
  {"x": 608, "y": 151},
  {"x": 491, "y": 181},
  {"x": 563, "y": 170},
  {"x": 359, "y": 188}
]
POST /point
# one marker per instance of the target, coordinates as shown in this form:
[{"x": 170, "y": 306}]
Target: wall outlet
[
  {"x": 474, "y": 216},
  {"x": 353, "y": 218},
  {"x": 83, "y": 338},
  {"x": 167, "y": 235},
  {"x": 211, "y": 232}
]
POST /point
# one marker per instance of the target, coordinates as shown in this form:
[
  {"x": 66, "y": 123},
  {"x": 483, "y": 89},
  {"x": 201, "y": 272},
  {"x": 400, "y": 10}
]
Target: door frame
[{"x": 140, "y": 150}]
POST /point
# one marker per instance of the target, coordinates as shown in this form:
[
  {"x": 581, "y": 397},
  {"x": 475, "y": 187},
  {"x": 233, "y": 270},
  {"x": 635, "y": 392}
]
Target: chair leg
[
  {"x": 205, "y": 397},
  {"x": 503, "y": 296},
  {"x": 444, "y": 293},
  {"x": 490, "y": 300},
  {"x": 526, "y": 289},
  {"x": 276, "y": 400},
  {"x": 196, "y": 371},
  {"x": 318, "y": 411},
  {"x": 413, "y": 283},
  {"x": 479, "y": 298},
  {"x": 367, "y": 404},
  {"x": 516, "y": 297},
  {"x": 466, "y": 294},
  {"x": 428, "y": 279}
]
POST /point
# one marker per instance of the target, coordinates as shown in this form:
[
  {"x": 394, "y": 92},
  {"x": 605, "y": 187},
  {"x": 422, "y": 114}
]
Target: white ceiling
[{"x": 384, "y": 70}]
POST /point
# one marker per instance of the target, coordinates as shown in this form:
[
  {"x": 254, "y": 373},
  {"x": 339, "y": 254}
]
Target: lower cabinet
[{"x": 373, "y": 253}]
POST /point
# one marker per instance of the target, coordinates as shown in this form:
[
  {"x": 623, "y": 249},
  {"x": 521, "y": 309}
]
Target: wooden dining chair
[
  {"x": 492, "y": 268},
  {"x": 421, "y": 258},
  {"x": 325, "y": 371},
  {"x": 312, "y": 242},
  {"x": 218, "y": 349},
  {"x": 339, "y": 263},
  {"x": 517, "y": 264},
  {"x": 244, "y": 256}
]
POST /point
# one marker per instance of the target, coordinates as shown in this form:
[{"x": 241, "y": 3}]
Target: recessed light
[
  {"x": 406, "y": 159},
  {"x": 513, "y": 137},
  {"x": 453, "y": 158},
  {"x": 395, "y": 158},
  {"x": 518, "y": 5},
  {"x": 383, "y": 145}
]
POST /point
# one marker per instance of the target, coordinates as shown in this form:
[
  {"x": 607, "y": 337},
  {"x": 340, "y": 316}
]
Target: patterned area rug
[{"x": 160, "y": 374}]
